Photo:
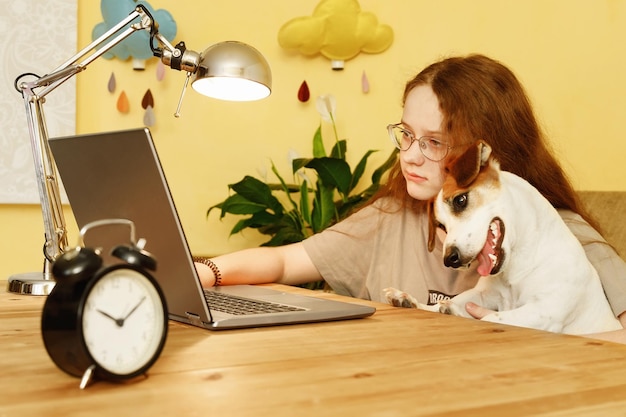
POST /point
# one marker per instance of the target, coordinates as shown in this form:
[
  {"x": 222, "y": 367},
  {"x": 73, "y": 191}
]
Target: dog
[{"x": 533, "y": 270}]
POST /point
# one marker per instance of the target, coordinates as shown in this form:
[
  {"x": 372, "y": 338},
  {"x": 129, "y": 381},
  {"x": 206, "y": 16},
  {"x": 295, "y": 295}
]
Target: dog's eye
[{"x": 460, "y": 201}]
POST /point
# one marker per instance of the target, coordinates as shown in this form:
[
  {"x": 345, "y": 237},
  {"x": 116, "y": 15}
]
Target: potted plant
[{"x": 309, "y": 206}]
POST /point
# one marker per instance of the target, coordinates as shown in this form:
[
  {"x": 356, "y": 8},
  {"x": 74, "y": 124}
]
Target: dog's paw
[
  {"x": 445, "y": 307},
  {"x": 448, "y": 307},
  {"x": 399, "y": 298}
]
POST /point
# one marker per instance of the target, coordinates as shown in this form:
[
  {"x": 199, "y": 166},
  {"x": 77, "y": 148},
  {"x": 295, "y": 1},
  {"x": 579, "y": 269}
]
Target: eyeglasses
[{"x": 431, "y": 148}]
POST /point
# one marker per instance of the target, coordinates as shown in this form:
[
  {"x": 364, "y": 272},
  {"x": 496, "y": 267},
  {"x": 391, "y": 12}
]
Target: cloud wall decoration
[
  {"x": 137, "y": 45},
  {"x": 338, "y": 30}
]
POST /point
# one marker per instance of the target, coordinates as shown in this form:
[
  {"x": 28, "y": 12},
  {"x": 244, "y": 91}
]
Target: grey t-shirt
[{"x": 384, "y": 246}]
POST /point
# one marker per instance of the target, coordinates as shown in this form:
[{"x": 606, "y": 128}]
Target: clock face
[{"x": 124, "y": 322}]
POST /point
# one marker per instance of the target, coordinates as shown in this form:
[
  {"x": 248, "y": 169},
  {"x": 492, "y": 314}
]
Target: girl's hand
[{"x": 476, "y": 311}]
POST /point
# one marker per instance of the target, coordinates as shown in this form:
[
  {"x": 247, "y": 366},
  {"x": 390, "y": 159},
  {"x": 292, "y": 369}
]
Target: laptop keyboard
[{"x": 232, "y": 304}]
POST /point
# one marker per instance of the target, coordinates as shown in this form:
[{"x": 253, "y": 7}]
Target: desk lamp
[{"x": 227, "y": 71}]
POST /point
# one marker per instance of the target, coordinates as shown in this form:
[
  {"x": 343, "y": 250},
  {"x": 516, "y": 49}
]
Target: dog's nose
[{"x": 453, "y": 258}]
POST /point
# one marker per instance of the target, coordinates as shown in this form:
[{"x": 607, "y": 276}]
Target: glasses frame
[{"x": 423, "y": 145}]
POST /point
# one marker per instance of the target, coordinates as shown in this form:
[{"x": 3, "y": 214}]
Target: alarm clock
[{"x": 105, "y": 322}]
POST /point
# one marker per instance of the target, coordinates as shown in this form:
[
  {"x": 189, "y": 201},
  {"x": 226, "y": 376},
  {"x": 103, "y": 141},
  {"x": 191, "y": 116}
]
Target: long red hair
[{"x": 480, "y": 98}]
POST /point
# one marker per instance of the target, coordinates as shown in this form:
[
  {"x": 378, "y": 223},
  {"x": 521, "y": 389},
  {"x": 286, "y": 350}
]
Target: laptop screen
[{"x": 118, "y": 175}]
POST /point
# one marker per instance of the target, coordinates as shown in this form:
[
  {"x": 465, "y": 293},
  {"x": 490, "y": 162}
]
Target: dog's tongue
[{"x": 484, "y": 262}]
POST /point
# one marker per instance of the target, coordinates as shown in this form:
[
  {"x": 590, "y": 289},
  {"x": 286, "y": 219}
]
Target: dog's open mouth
[{"x": 491, "y": 256}]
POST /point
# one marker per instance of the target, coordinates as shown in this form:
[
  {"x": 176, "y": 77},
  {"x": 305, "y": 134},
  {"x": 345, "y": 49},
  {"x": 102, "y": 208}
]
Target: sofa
[{"x": 608, "y": 208}]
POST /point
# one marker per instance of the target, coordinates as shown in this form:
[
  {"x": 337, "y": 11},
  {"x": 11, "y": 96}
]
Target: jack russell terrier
[{"x": 533, "y": 270}]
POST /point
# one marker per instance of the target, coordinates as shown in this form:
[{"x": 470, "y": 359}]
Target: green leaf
[
  {"x": 299, "y": 163},
  {"x": 237, "y": 204},
  {"x": 217, "y": 206},
  {"x": 305, "y": 205},
  {"x": 339, "y": 150},
  {"x": 380, "y": 171},
  {"x": 287, "y": 230},
  {"x": 283, "y": 237},
  {"x": 345, "y": 208},
  {"x": 318, "y": 144},
  {"x": 360, "y": 168},
  {"x": 284, "y": 186},
  {"x": 332, "y": 172},
  {"x": 256, "y": 221},
  {"x": 256, "y": 191},
  {"x": 288, "y": 188},
  {"x": 323, "y": 209},
  {"x": 239, "y": 226}
]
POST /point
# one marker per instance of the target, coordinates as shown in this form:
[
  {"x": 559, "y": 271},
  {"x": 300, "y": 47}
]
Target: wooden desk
[{"x": 395, "y": 363}]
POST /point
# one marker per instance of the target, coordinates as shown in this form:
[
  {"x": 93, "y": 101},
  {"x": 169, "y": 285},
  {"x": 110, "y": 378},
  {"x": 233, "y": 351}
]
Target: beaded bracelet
[{"x": 216, "y": 272}]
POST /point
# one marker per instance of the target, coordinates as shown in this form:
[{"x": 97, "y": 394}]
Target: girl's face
[{"x": 422, "y": 117}]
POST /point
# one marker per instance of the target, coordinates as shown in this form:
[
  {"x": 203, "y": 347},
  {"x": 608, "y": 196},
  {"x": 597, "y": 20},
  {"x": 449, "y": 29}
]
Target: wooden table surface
[{"x": 398, "y": 362}]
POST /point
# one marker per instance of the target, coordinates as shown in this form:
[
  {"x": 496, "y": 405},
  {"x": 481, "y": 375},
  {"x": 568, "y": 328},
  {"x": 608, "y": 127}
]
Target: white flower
[
  {"x": 292, "y": 154},
  {"x": 304, "y": 177},
  {"x": 326, "y": 106}
]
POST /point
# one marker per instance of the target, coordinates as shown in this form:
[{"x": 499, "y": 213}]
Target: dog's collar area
[{"x": 492, "y": 255}]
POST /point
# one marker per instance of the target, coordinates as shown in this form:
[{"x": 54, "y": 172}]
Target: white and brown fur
[{"x": 541, "y": 277}]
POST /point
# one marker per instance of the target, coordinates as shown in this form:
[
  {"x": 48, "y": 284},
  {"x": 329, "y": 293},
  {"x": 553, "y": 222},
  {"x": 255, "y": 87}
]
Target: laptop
[{"x": 119, "y": 175}]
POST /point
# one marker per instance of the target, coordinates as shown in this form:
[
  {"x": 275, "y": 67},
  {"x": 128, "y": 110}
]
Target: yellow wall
[{"x": 570, "y": 54}]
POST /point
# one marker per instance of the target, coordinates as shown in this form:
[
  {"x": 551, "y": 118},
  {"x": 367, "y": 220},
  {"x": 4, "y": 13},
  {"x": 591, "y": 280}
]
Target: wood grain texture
[{"x": 399, "y": 362}]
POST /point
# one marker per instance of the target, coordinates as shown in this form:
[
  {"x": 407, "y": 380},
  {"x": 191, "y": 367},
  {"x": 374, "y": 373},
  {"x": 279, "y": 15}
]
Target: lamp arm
[
  {"x": 35, "y": 88},
  {"x": 102, "y": 44},
  {"x": 55, "y": 230}
]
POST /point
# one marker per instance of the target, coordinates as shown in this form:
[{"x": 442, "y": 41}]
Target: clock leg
[{"x": 87, "y": 376}]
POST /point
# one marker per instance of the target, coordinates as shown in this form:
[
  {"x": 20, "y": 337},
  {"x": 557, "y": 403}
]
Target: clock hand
[
  {"x": 119, "y": 322},
  {"x": 134, "y": 308}
]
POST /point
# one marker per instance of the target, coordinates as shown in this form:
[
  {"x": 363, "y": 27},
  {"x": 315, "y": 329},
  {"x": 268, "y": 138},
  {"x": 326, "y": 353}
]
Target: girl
[{"x": 449, "y": 104}]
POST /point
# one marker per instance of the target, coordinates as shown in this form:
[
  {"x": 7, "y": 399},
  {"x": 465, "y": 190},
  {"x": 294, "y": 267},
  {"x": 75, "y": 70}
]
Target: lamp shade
[{"x": 232, "y": 71}]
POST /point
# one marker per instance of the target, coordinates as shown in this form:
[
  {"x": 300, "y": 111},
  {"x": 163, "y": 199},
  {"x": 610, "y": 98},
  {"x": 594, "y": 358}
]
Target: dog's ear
[
  {"x": 466, "y": 167},
  {"x": 432, "y": 225},
  {"x": 485, "y": 152}
]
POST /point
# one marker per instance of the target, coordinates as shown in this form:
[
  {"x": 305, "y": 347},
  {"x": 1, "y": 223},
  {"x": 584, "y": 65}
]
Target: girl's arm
[{"x": 288, "y": 264}]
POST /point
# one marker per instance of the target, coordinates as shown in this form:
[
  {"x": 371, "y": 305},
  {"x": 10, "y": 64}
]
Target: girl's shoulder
[{"x": 580, "y": 228}]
